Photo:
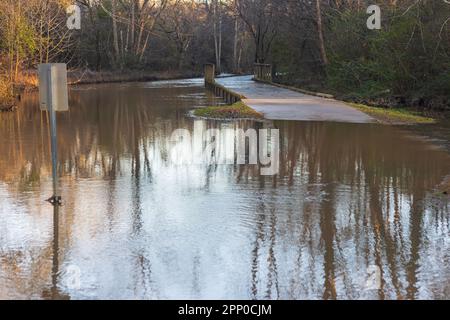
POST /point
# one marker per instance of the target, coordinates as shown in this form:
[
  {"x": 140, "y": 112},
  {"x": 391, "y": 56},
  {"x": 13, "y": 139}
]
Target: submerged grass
[
  {"x": 239, "y": 110},
  {"x": 394, "y": 116}
]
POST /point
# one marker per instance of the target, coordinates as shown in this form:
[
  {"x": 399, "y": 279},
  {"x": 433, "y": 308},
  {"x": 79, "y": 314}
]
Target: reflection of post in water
[
  {"x": 143, "y": 262},
  {"x": 55, "y": 266},
  {"x": 328, "y": 234},
  {"x": 136, "y": 190},
  {"x": 54, "y": 293}
]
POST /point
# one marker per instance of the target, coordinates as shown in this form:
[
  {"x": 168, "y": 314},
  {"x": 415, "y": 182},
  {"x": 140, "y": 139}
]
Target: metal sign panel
[
  {"x": 43, "y": 70},
  {"x": 53, "y": 87}
]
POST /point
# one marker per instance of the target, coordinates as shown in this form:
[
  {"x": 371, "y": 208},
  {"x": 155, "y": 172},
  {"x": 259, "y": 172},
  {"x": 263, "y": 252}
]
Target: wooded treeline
[{"x": 311, "y": 43}]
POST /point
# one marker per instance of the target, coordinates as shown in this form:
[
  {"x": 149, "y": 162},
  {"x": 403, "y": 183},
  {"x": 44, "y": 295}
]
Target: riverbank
[
  {"x": 28, "y": 81},
  {"x": 399, "y": 116}
]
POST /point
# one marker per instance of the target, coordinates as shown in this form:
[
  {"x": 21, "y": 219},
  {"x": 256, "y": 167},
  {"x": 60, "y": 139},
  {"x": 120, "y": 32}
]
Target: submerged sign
[
  {"x": 53, "y": 87},
  {"x": 53, "y": 97}
]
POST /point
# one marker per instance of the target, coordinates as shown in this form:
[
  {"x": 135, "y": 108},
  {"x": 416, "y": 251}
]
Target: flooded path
[
  {"x": 283, "y": 104},
  {"x": 352, "y": 214}
]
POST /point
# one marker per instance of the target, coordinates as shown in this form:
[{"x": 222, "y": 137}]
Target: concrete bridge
[{"x": 277, "y": 103}]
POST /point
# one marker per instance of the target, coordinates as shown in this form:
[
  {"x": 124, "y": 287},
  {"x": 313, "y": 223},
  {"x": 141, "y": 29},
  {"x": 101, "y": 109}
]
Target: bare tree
[
  {"x": 179, "y": 23},
  {"x": 259, "y": 17}
]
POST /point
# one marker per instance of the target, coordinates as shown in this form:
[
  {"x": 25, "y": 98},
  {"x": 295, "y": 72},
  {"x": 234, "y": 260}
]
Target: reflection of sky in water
[{"x": 347, "y": 197}]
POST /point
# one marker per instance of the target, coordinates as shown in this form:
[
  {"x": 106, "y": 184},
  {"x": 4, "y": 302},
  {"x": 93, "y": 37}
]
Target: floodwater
[{"x": 353, "y": 213}]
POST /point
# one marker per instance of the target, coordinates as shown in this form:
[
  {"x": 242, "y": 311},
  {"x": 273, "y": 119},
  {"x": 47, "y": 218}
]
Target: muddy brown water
[{"x": 352, "y": 214}]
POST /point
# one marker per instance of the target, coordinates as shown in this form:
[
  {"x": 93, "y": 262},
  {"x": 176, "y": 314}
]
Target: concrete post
[{"x": 210, "y": 73}]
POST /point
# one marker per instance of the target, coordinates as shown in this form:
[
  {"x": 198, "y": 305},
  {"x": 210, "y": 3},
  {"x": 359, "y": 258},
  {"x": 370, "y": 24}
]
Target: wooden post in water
[{"x": 210, "y": 74}]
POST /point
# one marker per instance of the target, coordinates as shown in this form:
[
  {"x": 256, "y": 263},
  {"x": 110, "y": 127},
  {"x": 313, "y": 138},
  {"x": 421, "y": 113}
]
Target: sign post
[{"x": 53, "y": 97}]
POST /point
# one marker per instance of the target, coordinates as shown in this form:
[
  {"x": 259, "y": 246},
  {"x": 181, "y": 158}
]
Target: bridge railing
[
  {"x": 228, "y": 95},
  {"x": 263, "y": 72}
]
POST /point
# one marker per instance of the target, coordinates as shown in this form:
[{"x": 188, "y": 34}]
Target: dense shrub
[
  {"x": 408, "y": 57},
  {"x": 407, "y": 62}
]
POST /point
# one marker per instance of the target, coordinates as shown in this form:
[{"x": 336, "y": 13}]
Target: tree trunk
[
  {"x": 323, "y": 52},
  {"x": 144, "y": 47},
  {"x": 133, "y": 21},
  {"x": 235, "y": 46},
  {"x": 217, "y": 30},
  {"x": 115, "y": 35}
]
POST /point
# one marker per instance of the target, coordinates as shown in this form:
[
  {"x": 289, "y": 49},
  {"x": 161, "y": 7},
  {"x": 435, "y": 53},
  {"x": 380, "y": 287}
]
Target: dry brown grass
[
  {"x": 6, "y": 94},
  {"x": 27, "y": 79}
]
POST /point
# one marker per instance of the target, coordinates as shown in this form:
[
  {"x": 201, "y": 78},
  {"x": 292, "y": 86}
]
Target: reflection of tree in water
[
  {"x": 347, "y": 196},
  {"x": 389, "y": 178},
  {"x": 93, "y": 141}
]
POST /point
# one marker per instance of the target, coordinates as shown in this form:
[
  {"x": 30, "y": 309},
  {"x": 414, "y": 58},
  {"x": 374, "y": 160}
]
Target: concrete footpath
[{"x": 283, "y": 104}]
